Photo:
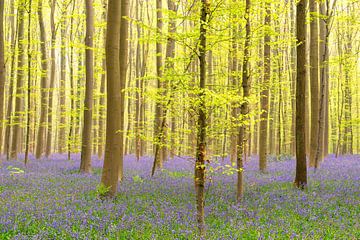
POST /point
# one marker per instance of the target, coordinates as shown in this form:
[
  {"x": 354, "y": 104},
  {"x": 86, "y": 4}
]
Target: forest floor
[{"x": 49, "y": 199}]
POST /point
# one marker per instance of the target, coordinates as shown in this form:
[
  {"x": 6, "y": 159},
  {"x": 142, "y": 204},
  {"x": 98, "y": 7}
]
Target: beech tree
[
  {"x": 201, "y": 121},
  {"x": 2, "y": 72},
  {"x": 86, "y": 149},
  {"x": 19, "y": 103},
  {"x": 263, "y": 136},
  {"x": 41, "y": 138},
  {"x": 244, "y": 106},
  {"x": 301, "y": 176},
  {"x": 314, "y": 79}
]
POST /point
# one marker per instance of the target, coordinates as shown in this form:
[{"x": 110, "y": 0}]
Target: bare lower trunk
[
  {"x": 123, "y": 55},
  {"x": 265, "y": 96},
  {"x": 102, "y": 103},
  {"x": 201, "y": 123},
  {"x": 159, "y": 112},
  {"x": 62, "y": 92},
  {"x": 2, "y": 72},
  {"x": 314, "y": 80},
  {"x": 86, "y": 146},
  {"x": 244, "y": 108},
  {"x": 28, "y": 114},
  {"x": 301, "y": 177},
  {"x": 18, "y": 115},
  {"x": 113, "y": 149},
  {"x": 41, "y": 138},
  {"x": 52, "y": 81}
]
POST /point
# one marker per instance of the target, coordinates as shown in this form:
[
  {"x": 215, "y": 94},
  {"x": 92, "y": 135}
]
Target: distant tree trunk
[
  {"x": 201, "y": 122},
  {"x": 234, "y": 81},
  {"x": 323, "y": 124},
  {"x": 50, "y": 128},
  {"x": 9, "y": 112},
  {"x": 123, "y": 55},
  {"x": 71, "y": 137},
  {"x": 314, "y": 79},
  {"x": 18, "y": 116},
  {"x": 102, "y": 113},
  {"x": 41, "y": 138},
  {"x": 62, "y": 93},
  {"x": 102, "y": 94},
  {"x": 138, "y": 93},
  {"x": 265, "y": 94},
  {"x": 348, "y": 139},
  {"x": 28, "y": 114},
  {"x": 272, "y": 132},
  {"x": 113, "y": 148},
  {"x": 324, "y": 76},
  {"x": 293, "y": 81},
  {"x": 2, "y": 72},
  {"x": 86, "y": 146},
  {"x": 301, "y": 177},
  {"x": 244, "y": 109},
  {"x": 169, "y": 64},
  {"x": 159, "y": 112}
]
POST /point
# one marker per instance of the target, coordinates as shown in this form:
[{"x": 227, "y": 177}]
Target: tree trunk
[
  {"x": 28, "y": 114},
  {"x": 123, "y": 56},
  {"x": 265, "y": 94},
  {"x": 41, "y": 138},
  {"x": 314, "y": 79},
  {"x": 234, "y": 81},
  {"x": 159, "y": 112},
  {"x": 114, "y": 117},
  {"x": 50, "y": 128},
  {"x": 18, "y": 115},
  {"x": 169, "y": 64},
  {"x": 9, "y": 112},
  {"x": 293, "y": 81},
  {"x": 71, "y": 135},
  {"x": 2, "y": 72},
  {"x": 86, "y": 146},
  {"x": 244, "y": 109},
  {"x": 62, "y": 93},
  {"x": 301, "y": 177},
  {"x": 102, "y": 103},
  {"x": 201, "y": 122},
  {"x": 324, "y": 74}
]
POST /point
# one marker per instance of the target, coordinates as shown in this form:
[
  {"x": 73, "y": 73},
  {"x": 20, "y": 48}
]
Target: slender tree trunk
[
  {"x": 301, "y": 177},
  {"x": 124, "y": 33},
  {"x": 41, "y": 138},
  {"x": 293, "y": 81},
  {"x": 2, "y": 72},
  {"x": 114, "y": 117},
  {"x": 86, "y": 146},
  {"x": 9, "y": 112},
  {"x": 18, "y": 116},
  {"x": 265, "y": 94},
  {"x": 234, "y": 81},
  {"x": 159, "y": 112},
  {"x": 50, "y": 128},
  {"x": 314, "y": 79},
  {"x": 244, "y": 108},
  {"x": 201, "y": 122},
  {"x": 71, "y": 137},
  {"x": 169, "y": 64},
  {"x": 323, "y": 124},
  {"x": 138, "y": 84},
  {"x": 62, "y": 93},
  {"x": 28, "y": 113},
  {"x": 102, "y": 103},
  {"x": 324, "y": 75}
]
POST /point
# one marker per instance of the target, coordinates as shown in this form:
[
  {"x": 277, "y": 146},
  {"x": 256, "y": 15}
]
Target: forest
[{"x": 179, "y": 119}]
